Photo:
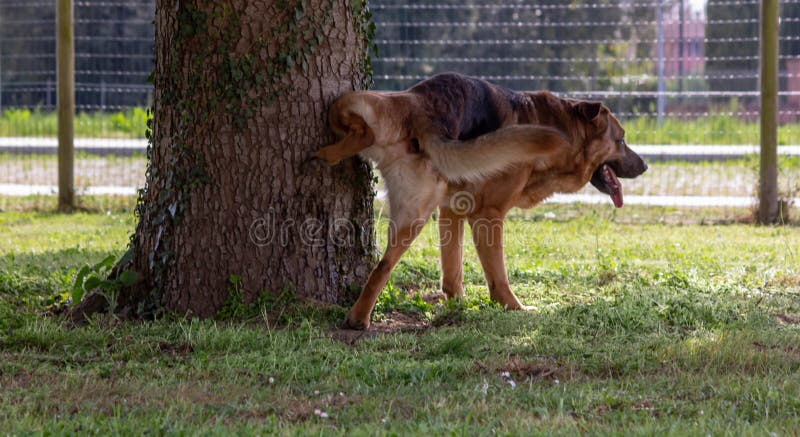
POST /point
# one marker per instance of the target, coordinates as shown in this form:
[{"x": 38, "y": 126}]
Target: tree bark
[{"x": 242, "y": 89}]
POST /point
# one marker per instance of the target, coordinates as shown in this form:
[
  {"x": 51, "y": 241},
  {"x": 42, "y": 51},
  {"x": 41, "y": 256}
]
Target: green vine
[{"x": 366, "y": 27}]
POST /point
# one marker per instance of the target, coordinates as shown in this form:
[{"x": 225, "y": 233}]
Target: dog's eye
[{"x": 621, "y": 142}]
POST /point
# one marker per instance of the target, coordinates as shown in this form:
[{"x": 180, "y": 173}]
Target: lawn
[
  {"x": 718, "y": 126},
  {"x": 640, "y": 329},
  {"x": 130, "y": 123}
]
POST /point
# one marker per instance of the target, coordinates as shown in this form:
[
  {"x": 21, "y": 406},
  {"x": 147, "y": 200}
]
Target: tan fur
[{"x": 538, "y": 153}]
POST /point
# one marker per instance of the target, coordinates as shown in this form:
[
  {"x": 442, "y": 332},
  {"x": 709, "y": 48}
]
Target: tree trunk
[{"x": 242, "y": 89}]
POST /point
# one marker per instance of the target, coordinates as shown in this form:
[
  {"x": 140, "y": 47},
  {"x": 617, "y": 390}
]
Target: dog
[{"x": 474, "y": 150}]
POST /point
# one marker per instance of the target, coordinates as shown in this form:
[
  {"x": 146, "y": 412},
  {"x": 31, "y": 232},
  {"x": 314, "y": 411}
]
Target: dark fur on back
[{"x": 464, "y": 107}]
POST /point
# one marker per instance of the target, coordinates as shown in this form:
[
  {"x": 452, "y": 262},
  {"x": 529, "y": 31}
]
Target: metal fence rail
[{"x": 681, "y": 74}]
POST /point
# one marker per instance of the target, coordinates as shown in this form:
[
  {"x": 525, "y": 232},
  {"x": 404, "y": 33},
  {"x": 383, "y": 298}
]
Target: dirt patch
[
  {"x": 175, "y": 350},
  {"x": 22, "y": 378},
  {"x": 323, "y": 407},
  {"x": 392, "y": 323},
  {"x": 296, "y": 408},
  {"x": 788, "y": 350},
  {"x": 784, "y": 280},
  {"x": 646, "y": 406},
  {"x": 519, "y": 369},
  {"x": 434, "y": 298},
  {"x": 786, "y": 319}
]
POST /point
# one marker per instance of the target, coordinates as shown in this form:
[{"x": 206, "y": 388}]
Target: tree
[{"x": 232, "y": 200}]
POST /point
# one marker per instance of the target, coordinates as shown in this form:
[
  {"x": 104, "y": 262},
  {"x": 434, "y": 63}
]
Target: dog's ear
[{"x": 588, "y": 110}]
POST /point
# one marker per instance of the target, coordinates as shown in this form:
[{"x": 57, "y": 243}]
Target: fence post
[
  {"x": 65, "y": 72},
  {"x": 768, "y": 179},
  {"x": 1, "y": 67},
  {"x": 661, "y": 99}
]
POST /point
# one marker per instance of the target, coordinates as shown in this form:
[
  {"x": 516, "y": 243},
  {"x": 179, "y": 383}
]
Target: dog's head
[{"x": 606, "y": 149}]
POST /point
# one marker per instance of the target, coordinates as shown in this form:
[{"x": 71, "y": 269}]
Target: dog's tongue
[{"x": 613, "y": 185}]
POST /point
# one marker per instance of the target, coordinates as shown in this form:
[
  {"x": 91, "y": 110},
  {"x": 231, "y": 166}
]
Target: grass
[
  {"x": 711, "y": 129},
  {"x": 641, "y": 329},
  {"x": 86, "y": 203},
  {"x": 130, "y": 123},
  {"x": 715, "y": 128}
]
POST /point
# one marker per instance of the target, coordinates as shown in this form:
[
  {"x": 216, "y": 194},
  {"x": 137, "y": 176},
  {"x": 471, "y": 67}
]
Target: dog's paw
[
  {"x": 520, "y": 307},
  {"x": 325, "y": 156},
  {"x": 351, "y": 322}
]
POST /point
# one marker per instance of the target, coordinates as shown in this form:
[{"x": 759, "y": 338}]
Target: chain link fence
[
  {"x": 681, "y": 74},
  {"x": 113, "y": 59}
]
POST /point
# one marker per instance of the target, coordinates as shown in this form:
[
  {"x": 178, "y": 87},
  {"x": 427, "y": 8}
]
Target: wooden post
[
  {"x": 661, "y": 99},
  {"x": 768, "y": 183},
  {"x": 65, "y": 72}
]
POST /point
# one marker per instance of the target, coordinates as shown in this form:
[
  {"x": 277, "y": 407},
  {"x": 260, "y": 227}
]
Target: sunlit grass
[
  {"x": 130, "y": 123},
  {"x": 641, "y": 329}
]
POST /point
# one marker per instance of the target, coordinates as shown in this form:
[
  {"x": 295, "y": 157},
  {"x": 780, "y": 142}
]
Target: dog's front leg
[
  {"x": 399, "y": 241},
  {"x": 451, "y": 240},
  {"x": 487, "y": 233}
]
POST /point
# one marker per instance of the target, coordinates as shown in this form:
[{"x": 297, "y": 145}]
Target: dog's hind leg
[
  {"x": 414, "y": 190},
  {"x": 487, "y": 233},
  {"x": 400, "y": 238},
  {"x": 451, "y": 240}
]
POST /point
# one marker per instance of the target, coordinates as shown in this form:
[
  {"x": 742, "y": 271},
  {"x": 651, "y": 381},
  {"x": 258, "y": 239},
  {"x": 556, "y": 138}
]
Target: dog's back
[{"x": 463, "y": 107}]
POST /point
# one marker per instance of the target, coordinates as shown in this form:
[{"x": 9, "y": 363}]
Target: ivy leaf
[
  {"x": 91, "y": 283},
  {"x": 77, "y": 287},
  {"x": 128, "y": 278},
  {"x": 107, "y": 262}
]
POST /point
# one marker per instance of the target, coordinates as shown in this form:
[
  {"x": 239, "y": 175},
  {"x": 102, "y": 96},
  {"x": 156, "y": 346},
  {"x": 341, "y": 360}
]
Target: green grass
[
  {"x": 717, "y": 128},
  {"x": 130, "y": 123},
  {"x": 49, "y": 203},
  {"x": 641, "y": 329},
  {"x": 713, "y": 129}
]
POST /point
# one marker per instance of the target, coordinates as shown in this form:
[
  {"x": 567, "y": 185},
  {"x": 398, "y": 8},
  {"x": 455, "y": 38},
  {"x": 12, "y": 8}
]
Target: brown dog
[{"x": 475, "y": 150}]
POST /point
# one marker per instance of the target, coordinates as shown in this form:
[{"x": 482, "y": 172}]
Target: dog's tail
[{"x": 484, "y": 156}]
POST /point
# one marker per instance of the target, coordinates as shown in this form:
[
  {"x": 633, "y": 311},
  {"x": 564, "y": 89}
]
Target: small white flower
[
  {"x": 506, "y": 374},
  {"x": 323, "y": 415},
  {"x": 512, "y": 383},
  {"x": 271, "y": 380},
  {"x": 556, "y": 382},
  {"x": 317, "y": 411}
]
